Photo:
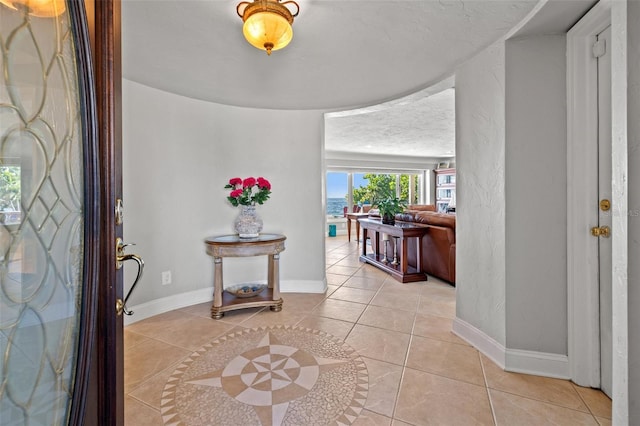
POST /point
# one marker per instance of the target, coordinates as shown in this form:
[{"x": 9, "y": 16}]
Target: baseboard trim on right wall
[{"x": 514, "y": 360}]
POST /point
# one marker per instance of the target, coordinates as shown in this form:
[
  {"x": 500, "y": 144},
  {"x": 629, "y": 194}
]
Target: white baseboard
[
  {"x": 478, "y": 339},
  {"x": 177, "y": 301},
  {"x": 166, "y": 304},
  {"x": 538, "y": 363},
  {"x": 514, "y": 360}
]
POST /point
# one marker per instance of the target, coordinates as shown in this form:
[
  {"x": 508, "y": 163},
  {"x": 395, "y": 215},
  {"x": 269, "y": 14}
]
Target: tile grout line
[
  {"x": 404, "y": 367},
  {"x": 541, "y": 401},
  {"x": 411, "y": 336},
  {"x": 573, "y": 386},
  {"x": 529, "y": 397},
  {"x": 486, "y": 387},
  {"x": 363, "y": 311},
  {"x": 157, "y": 410},
  {"x": 393, "y": 413}
]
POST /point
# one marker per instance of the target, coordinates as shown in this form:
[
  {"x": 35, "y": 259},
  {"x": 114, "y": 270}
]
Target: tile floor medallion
[{"x": 278, "y": 375}]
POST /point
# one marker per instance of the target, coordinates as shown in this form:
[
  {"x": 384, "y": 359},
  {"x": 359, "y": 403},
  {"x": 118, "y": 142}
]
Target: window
[
  {"x": 337, "y": 193},
  {"x": 10, "y": 194},
  {"x": 348, "y": 189},
  {"x": 410, "y": 188}
]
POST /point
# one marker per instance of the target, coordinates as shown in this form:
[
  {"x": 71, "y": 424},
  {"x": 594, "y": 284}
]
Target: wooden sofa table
[
  {"x": 394, "y": 263},
  {"x": 232, "y": 246},
  {"x": 355, "y": 216}
]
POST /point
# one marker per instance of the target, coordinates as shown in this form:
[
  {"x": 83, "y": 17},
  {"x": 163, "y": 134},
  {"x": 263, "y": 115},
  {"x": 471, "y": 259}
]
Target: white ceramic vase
[{"x": 248, "y": 224}]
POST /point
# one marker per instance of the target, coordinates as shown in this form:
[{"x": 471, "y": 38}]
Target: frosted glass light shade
[
  {"x": 267, "y": 23},
  {"x": 267, "y": 30},
  {"x": 39, "y": 8}
]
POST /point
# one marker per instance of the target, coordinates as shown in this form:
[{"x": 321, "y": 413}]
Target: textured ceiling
[
  {"x": 373, "y": 64},
  {"x": 422, "y": 127},
  {"x": 344, "y": 53}
]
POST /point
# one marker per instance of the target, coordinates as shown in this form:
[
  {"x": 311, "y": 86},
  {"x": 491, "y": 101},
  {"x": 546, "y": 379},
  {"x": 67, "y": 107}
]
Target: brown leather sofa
[
  {"x": 421, "y": 207},
  {"x": 438, "y": 245}
]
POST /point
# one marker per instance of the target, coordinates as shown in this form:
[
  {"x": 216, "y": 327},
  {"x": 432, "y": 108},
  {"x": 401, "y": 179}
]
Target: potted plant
[{"x": 389, "y": 207}]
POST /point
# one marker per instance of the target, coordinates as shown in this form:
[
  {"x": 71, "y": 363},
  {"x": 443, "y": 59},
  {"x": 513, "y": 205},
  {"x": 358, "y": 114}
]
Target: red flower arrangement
[{"x": 249, "y": 191}]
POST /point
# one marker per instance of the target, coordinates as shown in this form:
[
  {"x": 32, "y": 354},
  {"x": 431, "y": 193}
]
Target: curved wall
[{"x": 178, "y": 153}]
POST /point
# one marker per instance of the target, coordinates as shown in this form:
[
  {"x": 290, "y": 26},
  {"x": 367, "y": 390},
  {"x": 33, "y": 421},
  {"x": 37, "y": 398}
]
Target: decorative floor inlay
[{"x": 278, "y": 375}]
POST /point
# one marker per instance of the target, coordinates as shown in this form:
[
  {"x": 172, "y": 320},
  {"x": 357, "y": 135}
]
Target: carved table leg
[
  {"x": 215, "y": 313},
  {"x": 274, "y": 280},
  {"x": 277, "y": 307},
  {"x": 217, "y": 289}
]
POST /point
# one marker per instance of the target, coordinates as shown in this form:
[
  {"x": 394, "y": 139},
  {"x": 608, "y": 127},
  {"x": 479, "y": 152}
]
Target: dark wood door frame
[
  {"x": 109, "y": 355},
  {"x": 99, "y": 389},
  {"x": 108, "y": 71}
]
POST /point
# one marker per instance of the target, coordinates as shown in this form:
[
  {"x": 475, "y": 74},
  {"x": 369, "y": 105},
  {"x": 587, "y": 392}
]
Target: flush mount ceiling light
[
  {"x": 267, "y": 23},
  {"x": 39, "y": 8}
]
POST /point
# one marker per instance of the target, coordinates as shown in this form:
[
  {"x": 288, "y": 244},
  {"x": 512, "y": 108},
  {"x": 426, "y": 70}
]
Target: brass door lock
[
  {"x": 118, "y": 212},
  {"x": 605, "y": 205},
  {"x": 121, "y": 257},
  {"x": 601, "y": 231}
]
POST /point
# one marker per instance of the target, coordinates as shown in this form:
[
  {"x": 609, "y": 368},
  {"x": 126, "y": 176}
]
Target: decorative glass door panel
[{"x": 41, "y": 215}]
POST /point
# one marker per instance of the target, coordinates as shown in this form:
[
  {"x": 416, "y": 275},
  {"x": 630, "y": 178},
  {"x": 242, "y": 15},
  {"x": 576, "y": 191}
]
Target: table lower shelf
[
  {"x": 231, "y": 303},
  {"x": 410, "y": 276}
]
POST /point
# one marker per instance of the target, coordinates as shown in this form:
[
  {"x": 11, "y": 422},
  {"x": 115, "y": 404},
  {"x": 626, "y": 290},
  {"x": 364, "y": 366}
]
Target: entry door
[
  {"x": 49, "y": 219},
  {"x": 60, "y": 335},
  {"x": 602, "y": 50}
]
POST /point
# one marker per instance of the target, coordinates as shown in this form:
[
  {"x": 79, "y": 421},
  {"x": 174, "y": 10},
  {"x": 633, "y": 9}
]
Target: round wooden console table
[{"x": 232, "y": 246}]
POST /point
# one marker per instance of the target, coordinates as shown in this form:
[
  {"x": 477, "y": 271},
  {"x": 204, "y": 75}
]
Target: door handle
[
  {"x": 121, "y": 257},
  {"x": 601, "y": 231}
]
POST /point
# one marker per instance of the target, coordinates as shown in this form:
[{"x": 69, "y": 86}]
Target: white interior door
[{"x": 602, "y": 50}]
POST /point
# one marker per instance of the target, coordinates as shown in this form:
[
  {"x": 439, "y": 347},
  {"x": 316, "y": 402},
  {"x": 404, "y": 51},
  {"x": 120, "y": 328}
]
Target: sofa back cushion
[
  {"x": 428, "y": 218},
  {"x": 421, "y": 207},
  {"x": 436, "y": 219}
]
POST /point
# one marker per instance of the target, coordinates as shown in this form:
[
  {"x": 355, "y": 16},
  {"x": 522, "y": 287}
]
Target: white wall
[
  {"x": 633, "y": 141},
  {"x": 480, "y": 192},
  {"x": 483, "y": 181},
  {"x": 511, "y": 190},
  {"x": 536, "y": 193},
  {"x": 626, "y": 188},
  {"x": 178, "y": 155}
]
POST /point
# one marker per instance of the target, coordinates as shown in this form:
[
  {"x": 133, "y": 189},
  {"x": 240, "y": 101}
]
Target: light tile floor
[{"x": 419, "y": 372}]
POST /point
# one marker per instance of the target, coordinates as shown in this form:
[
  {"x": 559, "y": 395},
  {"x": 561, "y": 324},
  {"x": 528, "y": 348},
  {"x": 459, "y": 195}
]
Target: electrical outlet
[{"x": 166, "y": 277}]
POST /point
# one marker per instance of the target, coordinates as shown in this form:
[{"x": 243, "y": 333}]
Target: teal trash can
[{"x": 332, "y": 230}]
